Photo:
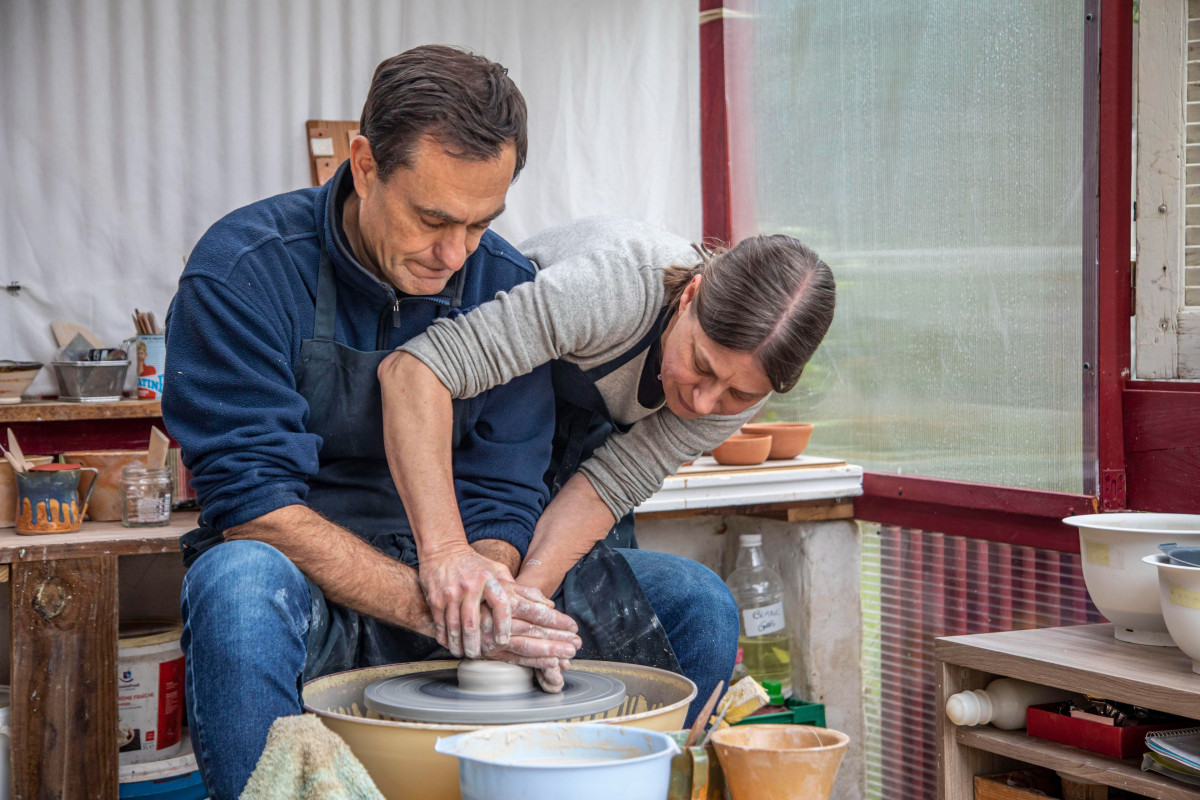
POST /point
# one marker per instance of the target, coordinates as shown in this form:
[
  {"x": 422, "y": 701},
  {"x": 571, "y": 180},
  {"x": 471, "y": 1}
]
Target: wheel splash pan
[{"x": 400, "y": 757}]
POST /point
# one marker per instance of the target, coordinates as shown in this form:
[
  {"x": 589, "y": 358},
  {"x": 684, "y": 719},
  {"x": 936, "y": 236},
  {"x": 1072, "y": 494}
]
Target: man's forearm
[{"x": 349, "y": 571}]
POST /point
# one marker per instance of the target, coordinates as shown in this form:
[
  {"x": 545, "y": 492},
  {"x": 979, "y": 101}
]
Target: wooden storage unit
[{"x": 1085, "y": 659}]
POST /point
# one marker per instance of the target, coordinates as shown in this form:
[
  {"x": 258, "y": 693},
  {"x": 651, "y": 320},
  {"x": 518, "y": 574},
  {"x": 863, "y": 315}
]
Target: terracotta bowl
[
  {"x": 106, "y": 499},
  {"x": 788, "y": 439},
  {"x": 742, "y": 449}
]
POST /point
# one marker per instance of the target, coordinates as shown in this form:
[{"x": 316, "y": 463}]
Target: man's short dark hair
[{"x": 467, "y": 103}]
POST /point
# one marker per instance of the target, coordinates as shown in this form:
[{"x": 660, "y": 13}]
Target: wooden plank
[
  {"x": 1165, "y": 480},
  {"x": 64, "y": 669},
  {"x": 1126, "y": 775},
  {"x": 96, "y": 539},
  {"x": 1160, "y": 420},
  {"x": 1189, "y": 343},
  {"x": 1085, "y": 659},
  {"x": 56, "y": 411},
  {"x": 328, "y": 146},
  {"x": 1160, "y": 186},
  {"x": 832, "y": 508},
  {"x": 707, "y": 465},
  {"x": 958, "y": 765}
]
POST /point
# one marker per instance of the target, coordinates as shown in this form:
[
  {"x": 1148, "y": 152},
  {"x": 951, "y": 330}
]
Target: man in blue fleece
[{"x": 305, "y": 561}]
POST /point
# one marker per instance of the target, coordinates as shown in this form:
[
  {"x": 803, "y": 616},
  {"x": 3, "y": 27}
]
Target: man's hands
[
  {"x": 480, "y": 611},
  {"x": 457, "y": 581}
]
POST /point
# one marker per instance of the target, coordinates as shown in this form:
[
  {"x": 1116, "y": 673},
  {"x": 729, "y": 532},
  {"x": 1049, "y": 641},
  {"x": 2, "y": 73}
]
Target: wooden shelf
[
  {"x": 1084, "y": 659},
  {"x": 1084, "y": 764},
  {"x": 58, "y": 411},
  {"x": 96, "y": 539}
]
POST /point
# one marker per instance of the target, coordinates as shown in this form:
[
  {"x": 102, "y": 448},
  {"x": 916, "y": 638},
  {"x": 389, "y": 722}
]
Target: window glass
[{"x": 931, "y": 152}]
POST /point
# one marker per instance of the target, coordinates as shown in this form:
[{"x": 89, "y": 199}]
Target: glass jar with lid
[{"x": 145, "y": 496}]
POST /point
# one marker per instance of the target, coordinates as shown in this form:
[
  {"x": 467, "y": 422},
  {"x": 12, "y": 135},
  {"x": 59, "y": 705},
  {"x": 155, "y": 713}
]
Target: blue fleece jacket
[{"x": 245, "y": 303}]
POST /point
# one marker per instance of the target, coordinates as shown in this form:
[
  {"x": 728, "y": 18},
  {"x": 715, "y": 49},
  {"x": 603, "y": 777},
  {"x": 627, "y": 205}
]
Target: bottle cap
[
  {"x": 740, "y": 656},
  {"x": 750, "y": 539},
  {"x": 969, "y": 708}
]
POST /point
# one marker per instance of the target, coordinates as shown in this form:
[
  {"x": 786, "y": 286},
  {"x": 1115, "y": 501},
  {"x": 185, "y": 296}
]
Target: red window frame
[{"x": 1148, "y": 434}]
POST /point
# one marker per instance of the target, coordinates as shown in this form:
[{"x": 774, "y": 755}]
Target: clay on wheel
[{"x": 493, "y": 677}]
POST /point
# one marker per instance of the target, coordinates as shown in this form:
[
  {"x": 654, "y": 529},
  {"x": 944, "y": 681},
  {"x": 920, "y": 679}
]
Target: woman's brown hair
[{"x": 768, "y": 295}]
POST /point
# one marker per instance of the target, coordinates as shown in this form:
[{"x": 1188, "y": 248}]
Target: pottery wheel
[{"x": 436, "y": 696}]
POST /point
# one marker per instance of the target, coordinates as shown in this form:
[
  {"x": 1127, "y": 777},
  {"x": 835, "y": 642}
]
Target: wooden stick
[
  {"x": 156, "y": 458},
  {"x": 15, "y": 450},
  {"x": 702, "y": 718}
]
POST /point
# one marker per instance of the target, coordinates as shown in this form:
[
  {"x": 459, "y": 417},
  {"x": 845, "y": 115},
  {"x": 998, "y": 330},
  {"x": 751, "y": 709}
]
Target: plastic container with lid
[{"x": 149, "y": 690}]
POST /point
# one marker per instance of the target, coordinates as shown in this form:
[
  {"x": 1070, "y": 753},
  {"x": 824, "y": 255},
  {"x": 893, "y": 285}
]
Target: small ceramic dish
[
  {"x": 741, "y": 450},
  {"x": 15, "y": 377},
  {"x": 788, "y": 439}
]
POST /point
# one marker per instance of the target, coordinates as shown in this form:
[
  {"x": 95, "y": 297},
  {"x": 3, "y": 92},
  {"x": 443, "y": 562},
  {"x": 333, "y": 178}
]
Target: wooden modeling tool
[
  {"x": 698, "y": 725},
  {"x": 64, "y": 332},
  {"x": 15, "y": 450},
  {"x": 157, "y": 456},
  {"x": 12, "y": 461}
]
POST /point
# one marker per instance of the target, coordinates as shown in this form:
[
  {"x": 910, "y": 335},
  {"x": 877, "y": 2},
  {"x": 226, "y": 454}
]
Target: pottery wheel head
[{"x": 491, "y": 693}]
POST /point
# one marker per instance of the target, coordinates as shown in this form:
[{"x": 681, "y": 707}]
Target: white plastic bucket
[
  {"x": 175, "y": 778},
  {"x": 149, "y": 690}
]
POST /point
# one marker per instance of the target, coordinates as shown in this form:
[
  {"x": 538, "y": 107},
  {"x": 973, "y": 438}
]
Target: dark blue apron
[
  {"x": 619, "y": 616},
  {"x": 353, "y": 487}
]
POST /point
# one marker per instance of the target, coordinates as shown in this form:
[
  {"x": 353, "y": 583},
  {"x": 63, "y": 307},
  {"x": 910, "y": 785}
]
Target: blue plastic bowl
[{"x": 583, "y": 761}]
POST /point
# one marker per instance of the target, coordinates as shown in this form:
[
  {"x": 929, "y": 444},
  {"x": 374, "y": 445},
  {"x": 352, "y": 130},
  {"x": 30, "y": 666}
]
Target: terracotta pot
[
  {"x": 8, "y": 489},
  {"x": 106, "y": 499},
  {"x": 788, "y": 439},
  {"x": 742, "y": 450},
  {"x": 780, "y": 762}
]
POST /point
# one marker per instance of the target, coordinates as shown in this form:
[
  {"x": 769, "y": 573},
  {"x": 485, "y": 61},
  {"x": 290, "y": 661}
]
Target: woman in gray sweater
[{"x": 676, "y": 350}]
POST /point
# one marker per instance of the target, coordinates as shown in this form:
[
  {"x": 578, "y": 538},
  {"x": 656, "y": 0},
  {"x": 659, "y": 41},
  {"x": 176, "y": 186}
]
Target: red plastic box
[{"x": 1126, "y": 742}]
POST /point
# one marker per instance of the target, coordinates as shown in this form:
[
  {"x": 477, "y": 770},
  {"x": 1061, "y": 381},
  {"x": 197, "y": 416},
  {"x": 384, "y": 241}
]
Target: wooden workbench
[{"x": 64, "y": 611}]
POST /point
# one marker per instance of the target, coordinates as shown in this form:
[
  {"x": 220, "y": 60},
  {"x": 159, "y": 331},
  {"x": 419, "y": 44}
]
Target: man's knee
[{"x": 245, "y": 584}]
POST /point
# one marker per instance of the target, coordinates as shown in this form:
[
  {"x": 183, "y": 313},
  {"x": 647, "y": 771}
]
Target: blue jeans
[{"x": 247, "y": 611}]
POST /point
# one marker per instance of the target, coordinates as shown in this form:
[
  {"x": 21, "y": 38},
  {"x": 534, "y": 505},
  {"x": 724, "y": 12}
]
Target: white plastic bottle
[
  {"x": 1002, "y": 703},
  {"x": 763, "y": 637}
]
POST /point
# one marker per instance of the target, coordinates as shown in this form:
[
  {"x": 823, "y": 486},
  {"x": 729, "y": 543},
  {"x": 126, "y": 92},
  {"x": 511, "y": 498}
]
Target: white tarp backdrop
[{"x": 129, "y": 126}]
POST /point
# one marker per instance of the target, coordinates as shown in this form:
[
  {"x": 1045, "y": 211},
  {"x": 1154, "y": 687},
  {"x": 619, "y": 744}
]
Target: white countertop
[{"x": 707, "y": 484}]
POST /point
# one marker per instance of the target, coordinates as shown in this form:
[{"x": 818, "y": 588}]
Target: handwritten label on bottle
[{"x": 761, "y": 621}]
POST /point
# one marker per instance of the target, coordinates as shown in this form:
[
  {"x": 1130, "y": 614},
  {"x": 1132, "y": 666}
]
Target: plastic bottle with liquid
[
  {"x": 1002, "y": 703},
  {"x": 763, "y": 636}
]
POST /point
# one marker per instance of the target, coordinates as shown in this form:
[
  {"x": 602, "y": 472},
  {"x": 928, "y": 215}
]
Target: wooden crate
[{"x": 995, "y": 787}]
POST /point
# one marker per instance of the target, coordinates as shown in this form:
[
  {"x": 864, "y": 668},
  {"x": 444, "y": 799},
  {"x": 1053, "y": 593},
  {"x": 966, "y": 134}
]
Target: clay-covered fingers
[
  {"x": 550, "y": 679},
  {"x": 456, "y": 583},
  {"x": 527, "y": 608}
]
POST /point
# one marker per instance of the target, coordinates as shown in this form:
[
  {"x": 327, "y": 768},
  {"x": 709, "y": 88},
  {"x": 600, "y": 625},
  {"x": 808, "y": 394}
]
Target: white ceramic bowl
[
  {"x": 15, "y": 377},
  {"x": 1124, "y": 588},
  {"x": 1179, "y": 596}
]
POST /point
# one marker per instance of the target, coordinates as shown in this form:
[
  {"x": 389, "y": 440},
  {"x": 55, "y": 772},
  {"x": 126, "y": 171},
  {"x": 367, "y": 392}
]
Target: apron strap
[{"x": 326, "y": 311}]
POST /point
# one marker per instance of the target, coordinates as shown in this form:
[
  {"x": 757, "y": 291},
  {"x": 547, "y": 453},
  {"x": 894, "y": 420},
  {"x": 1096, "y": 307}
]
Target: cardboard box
[
  {"x": 995, "y": 787},
  {"x": 1109, "y": 740}
]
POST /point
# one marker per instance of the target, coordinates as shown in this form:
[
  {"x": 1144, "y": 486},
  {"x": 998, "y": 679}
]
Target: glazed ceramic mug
[{"x": 48, "y": 499}]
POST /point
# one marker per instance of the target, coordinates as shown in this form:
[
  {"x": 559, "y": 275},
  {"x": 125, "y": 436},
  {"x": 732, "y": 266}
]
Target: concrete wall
[{"x": 821, "y": 566}]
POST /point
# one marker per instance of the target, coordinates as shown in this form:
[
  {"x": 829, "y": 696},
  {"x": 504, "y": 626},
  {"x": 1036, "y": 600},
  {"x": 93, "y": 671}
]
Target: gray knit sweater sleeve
[
  {"x": 583, "y": 308},
  {"x": 631, "y": 466}
]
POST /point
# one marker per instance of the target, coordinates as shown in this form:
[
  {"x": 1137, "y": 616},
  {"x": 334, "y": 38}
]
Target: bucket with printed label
[
  {"x": 149, "y": 690},
  {"x": 151, "y": 363}
]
